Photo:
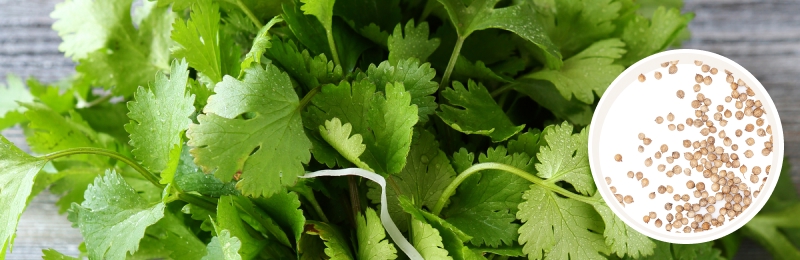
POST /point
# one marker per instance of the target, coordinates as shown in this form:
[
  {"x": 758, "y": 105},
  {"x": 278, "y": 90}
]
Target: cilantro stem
[
  {"x": 500, "y": 90},
  {"x": 332, "y": 45},
  {"x": 452, "y": 63},
  {"x": 451, "y": 189},
  {"x": 190, "y": 198},
  {"x": 314, "y": 204},
  {"x": 307, "y": 98},
  {"x": 249, "y": 14},
  {"x": 99, "y": 151}
]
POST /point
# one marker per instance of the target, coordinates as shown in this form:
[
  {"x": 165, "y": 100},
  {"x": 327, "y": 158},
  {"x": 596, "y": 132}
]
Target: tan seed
[
  {"x": 743, "y": 169},
  {"x": 739, "y": 105},
  {"x": 671, "y": 127},
  {"x": 669, "y": 189},
  {"x": 659, "y": 120},
  {"x": 729, "y": 78},
  {"x": 662, "y": 167},
  {"x": 630, "y": 174},
  {"x": 618, "y": 158},
  {"x": 673, "y": 69},
  {"x": 761, "y": 132},
  {"x": 658, "y": 223},
  {"x": 613, "y": 189},
  {"x": 645, "y": 182},
  {"x": 705, "y": 68},
  {"x": 652, "y": 195},
  {"x": 641, "y": 149},
  {"x": 748, "y": 154},
  {"x": 657, "y": 155},
  {"x": 680, "y": 94},
  {"x": 739, "y": 115},
  {"x": 696, "y": 88},
  {"x": 698, "y": 62},
  {"x": 647, "y": 141},
  {"x": 769, "y": 129},
  {"x": 700, "y": 186},
  {"x": 714, "y": 71},
  {"x": 760, "y": 122},
  {"x": 641, "y": 78},
  {"x": 750, "y": 92},
  {"x": 707, "y": 80},
  {"x": 728, "y": 99},
  {"x": 680, "y": 127},
  {"x": 668, "y": 206},
  {"x": 657, "y": 75},
  {"x": 639, "y": 176},
  {"x": 628, "y": 199},
  {"x": 698, "y": 78},
  {"x": 757, "y": 170},
  {"x": 738, "y": 132},
  {"x": 749, "y": 128},
  {"x": 753, "y": 178},
  {"x": 648, "y": 162},
  {"x": 608, "y": 180},
  {"x": 765, "y": 151},
  {"x": 685, "y": 197},
  {"x": 676, "y": 197},
  {"x": 664, "y": 148},
  {"x": 750, "y": 141},
  {"x": 646, "y": 219},
  {"x": 690, "y": 184},
  {"x": 687, "y": 143}
]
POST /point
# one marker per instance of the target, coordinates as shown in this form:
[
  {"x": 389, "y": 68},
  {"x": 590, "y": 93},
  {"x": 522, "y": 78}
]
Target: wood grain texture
[{"x": 762, "y": 36}]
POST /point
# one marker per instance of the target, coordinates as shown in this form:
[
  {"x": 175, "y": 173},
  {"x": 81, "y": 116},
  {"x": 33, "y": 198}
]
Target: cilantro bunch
[{"x": 188, "y": 124}]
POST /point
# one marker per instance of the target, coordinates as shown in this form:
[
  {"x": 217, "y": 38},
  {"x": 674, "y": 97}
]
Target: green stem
[
  {"x": 355, "y": 203},
  {"x": 307, "y": 98},
  {"x": 249, "y": 14},
  {"x": 313, "y": 200},
  {"x": 500, "y": 90},
  {"x": 332, "y": 45},
  {"x": 199, "y": 201},
  {"x": 452, "y": 63},
  {"x": 451, "y": 189},
  {"x": 99, "y": 100},
  {"x": 99, "y": 151}
]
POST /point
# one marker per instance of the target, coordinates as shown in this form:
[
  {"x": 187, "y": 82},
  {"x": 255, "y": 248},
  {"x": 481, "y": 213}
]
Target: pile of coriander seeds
[{"x": 716, "y": 172}]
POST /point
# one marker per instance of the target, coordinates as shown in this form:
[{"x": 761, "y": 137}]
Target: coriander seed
[
  {"x": 658, "y": 223},
  {"x": 628, "y": 199},
  {"x": 698, "y": 62},
  {"x": 647, "y": 141},
  {"x": 696, "y": 88},
  {"x": 639, "y": 176},
  {"x": 673, "y": 69},
  {"x": 641, "y": 149},
  {"x": 652, "y": 195},
  {"x": 657, "y": 75},
  {"x": 659, "y": 120},
  {"x": 618, "y": 158},
  {"x": 749, "y": 128},
  {"x": 645, "y": 182},
  {"x": 680, "y": 94},
  {"x": 705, "y": 68},
  {"x": 648, "y": 162},
  {"x": 750, "y": 141},
  {"x": 707, "y": 80},
  {"x": 714, "y": 71},
  {"x": 641, "y": 78},
  {"x": 698, "y": 78}
]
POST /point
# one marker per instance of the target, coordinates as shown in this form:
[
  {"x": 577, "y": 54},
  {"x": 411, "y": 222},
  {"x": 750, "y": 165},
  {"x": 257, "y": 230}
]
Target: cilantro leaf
[
  {"x": 643, "y": 37},
  {"x": 384, "y": 121},
  {"x": 113, "y": 218},
  {"x": 480, "y": 114},
  {"x": 53, "y": 132},
  {"x": 73, "y": 185},
  {"x": 548, "y": 96},
  {"x": 586, "y": 72},
  {"x": 573, "y": 25},
  {"x": 466, "y": 69},
  {"x": 566, "y": 158},
  {"x": 426, "y": 175},
  {"x": 622, "y": 239},
  {"x": 52, "y": 254},
  {"x": 360, "y": 14},
  {"x": 417, "y": 79},
  {"x": 10, "y": 110},
  {"x": 189, "y": 178},
  {"x": 764, "y": 228},
  {"x": 260, "y": 44},
  {"x": 199, "y": 41},
  {"x": 372, "y": 242},
  {"x": 486, "y": 202},
  {"x": 223, "y": 246},
  {"x": 427, "y": 240},
  {"x": 276, "y": 131},
  {"x": 228, "y": 218},
  {"x": 16, "y": 181},
  {"x": 517, "y": 18},
  {"x": 307, "y": 29},
  {"x": 159, "y": 116},
  {"x": 556, "y": 227},
  {"x": 284, "y": 208},
  {"x": 179, "y": 239},
  {"x": 338, "y": 136},
  {"x": 452, "y": 237},
  {"x": 310, "y": 71},
  {"x": 100, "y": 34},
  {"x": 414, "y": 44},
  {"x": 260, "y": 220},
  {"x": 336, "y": 245},
  {"x": 323, "y": 10}
]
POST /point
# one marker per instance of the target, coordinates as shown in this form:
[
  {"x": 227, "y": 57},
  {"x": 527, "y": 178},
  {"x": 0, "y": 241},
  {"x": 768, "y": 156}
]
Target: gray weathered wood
[{"x": 762, "y": 36}]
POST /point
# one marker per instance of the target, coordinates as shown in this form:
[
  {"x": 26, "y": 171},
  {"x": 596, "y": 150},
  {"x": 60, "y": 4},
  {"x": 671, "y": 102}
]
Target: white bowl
[{"x": 629, "y": 107}]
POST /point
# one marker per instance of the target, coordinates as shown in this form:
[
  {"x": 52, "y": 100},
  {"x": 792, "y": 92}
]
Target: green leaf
[
  {"x": 427, "y": 241},
  {"x": 223, "y": 246},
  {"x": 695, "y": 251},
  {"x": 622, "y": 239},
  {"x": 372, "y": 242},
  {"x": 309, "y": 71},
  {"x": 198, "y": 40},
  {"x": 587, "y": 73},
  {"x": 474, "y": 111},
  {"x": 426, "y": 175},
  {"x": 417, "y": 78},
  {"x": 643, "y": 37},
  {"x": 16, "y": 180},
  {"x": 307, "y": 29},
  {"x": 414, "y": 44},
  {"x": 260, "y": 44},
  {"x": 284, "y": 208},
  {"x": 159, "y": 116},
  {"x": 573, "y": 25},
  {"x": 466, "y": 69},
  {"x": 113, "y": 218},
  {"x": 322, "y": 9},
  {"x": 52, "y": 254},
  {"x": 260, "y": 220},
  {"x": 189, "y": 178},
  {"x": 276, "y": 131},
  {"x": 452, "y": 237},
  {"x": 336, "y": 245},
  {"x": 101, "y": 34},
  {"x": 566, "y": 158},
  {"x": 178, "y": 239},
  {"x": 349, "y": 45},
  {"x": 764, "y": 228},
  {"x": 517, "y": 18},
  {"x": 547, "y": 95},
  {"x": 361, "y": 14},
  {"x": 228, "y": 218},
  {"x": 10, "y": 110},
  {"x": 338, "y": 136},
  {"x": 72, "y": 186},
  {"x": 53, "y": 132},
  {"x": 485, "y": 203},
  {"x": 384, "y": 121},
  {"x": 310, "y": 248},
  {"x": 556, "y": 227}
]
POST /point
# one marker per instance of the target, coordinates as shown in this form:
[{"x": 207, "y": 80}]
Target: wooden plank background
[{"x": 762, "y": 36}]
